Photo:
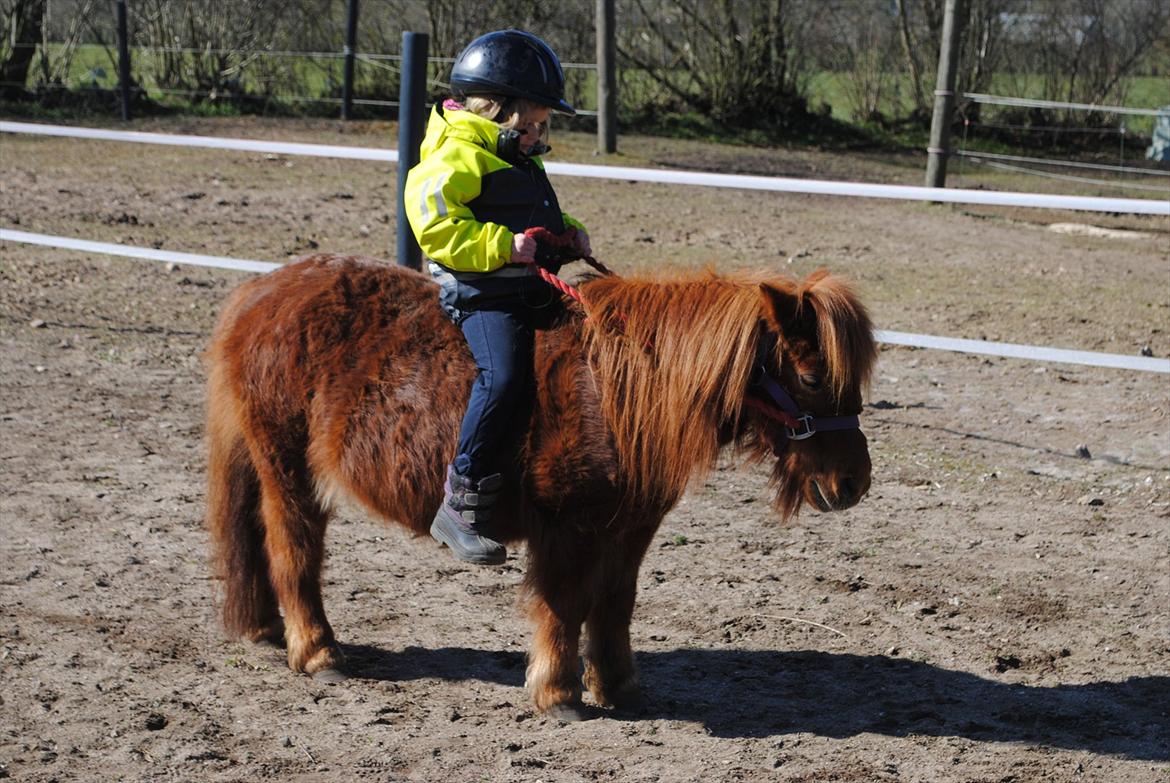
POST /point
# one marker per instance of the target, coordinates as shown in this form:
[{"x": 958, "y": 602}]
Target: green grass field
[{"x": 313, "y": 85}]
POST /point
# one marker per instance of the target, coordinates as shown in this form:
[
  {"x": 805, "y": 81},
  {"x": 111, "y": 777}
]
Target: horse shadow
[{"x": 765, "y": 693}]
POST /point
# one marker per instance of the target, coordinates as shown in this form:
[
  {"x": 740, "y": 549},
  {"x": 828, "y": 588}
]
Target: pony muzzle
[
  {"x": 836, "y": 493},
  {"x": 838, "y": 490}
]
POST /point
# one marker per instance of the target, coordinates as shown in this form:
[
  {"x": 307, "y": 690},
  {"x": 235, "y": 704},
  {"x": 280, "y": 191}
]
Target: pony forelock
[{"x": 845, "y": 332}]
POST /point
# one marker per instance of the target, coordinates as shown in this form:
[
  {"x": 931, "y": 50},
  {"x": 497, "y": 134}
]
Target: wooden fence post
[
  {"x": 944, "y": 97},
  {"x": 351, "y": 22}
]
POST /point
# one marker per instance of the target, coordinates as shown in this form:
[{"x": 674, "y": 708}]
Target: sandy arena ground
[{"x": 997, "y": 610}]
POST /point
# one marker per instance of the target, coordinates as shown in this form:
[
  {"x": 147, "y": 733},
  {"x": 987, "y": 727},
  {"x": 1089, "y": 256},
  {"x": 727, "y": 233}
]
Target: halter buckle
[{"x": 808, "y": 428}]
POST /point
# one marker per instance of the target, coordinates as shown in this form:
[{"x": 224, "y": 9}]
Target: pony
[{"x": 340, "y": 376}]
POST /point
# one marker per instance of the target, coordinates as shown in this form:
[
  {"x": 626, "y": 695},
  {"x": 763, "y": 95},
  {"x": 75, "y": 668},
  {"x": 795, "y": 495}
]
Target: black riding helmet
[{"x": 513, "y": 63}]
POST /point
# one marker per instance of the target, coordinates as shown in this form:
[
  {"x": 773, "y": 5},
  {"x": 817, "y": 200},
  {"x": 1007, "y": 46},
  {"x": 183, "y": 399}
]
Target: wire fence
[
  {"x": 215, "y": 79},
  {"x": 1066, "y": 163},
  {"x": 210, "y": 75},
  {"x": 1084, "y": 136},
  {"x": 978, "y": 160},
  {"x": 1034, "y": 103}
]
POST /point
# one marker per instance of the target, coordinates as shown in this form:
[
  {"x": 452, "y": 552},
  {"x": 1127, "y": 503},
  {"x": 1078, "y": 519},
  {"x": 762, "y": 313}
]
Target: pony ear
[{"x": 781, "y": 306}]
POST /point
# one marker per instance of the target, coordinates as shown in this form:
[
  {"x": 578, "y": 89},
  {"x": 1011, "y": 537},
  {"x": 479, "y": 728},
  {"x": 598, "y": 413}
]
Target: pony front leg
[
  {"x": 558, "y": 602},
  {"x": 610, "y": 673},
  {"x": 553, "y": 676}
]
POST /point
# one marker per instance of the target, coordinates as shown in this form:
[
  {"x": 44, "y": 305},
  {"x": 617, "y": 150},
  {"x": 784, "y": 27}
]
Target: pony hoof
[
  {"x": 570, "y": 713},
  {"x": 330, "y": 676}
]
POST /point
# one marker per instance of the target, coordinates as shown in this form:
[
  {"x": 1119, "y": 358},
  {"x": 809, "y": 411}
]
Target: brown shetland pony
[{"x": 340, "y": 375}]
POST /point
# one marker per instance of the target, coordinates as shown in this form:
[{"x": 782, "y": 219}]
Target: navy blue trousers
[{"x": 501, "y": 341}]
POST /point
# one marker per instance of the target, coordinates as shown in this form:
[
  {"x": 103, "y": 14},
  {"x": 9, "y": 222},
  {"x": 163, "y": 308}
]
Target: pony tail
[{"x": 233, "y": 520}]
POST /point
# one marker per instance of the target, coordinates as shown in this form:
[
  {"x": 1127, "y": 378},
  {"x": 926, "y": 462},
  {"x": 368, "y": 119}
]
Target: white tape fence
[
  {"x": 1135, "y": 206},
  {"x": 1009, "y": 350}
]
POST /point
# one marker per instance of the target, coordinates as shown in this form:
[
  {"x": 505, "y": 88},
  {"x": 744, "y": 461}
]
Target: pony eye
[{"x": 810, "y": 381}]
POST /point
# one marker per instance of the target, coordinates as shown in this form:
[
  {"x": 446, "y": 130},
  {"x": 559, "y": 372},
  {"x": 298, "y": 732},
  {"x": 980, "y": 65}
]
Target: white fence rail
[
  {"x": 666, "y": 176},
  {"x": 1011, "y": 350},
  {"x": 1003, "y": 100}
]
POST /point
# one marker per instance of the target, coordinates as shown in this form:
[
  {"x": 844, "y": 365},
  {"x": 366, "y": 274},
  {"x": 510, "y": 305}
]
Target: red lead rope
[
  {"x": 561, "y": 249},
  {"x": 559, "y": 284},
  {"x": 772, "y": 412}
]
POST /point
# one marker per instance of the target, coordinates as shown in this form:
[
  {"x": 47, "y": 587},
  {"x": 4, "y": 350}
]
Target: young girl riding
[{"x": 479, "y": 185}]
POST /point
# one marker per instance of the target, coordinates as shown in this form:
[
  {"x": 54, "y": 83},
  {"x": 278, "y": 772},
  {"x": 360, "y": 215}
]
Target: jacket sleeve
[
  {"x": 573, "y": 222},
  {"x": 437, "y": 192}
]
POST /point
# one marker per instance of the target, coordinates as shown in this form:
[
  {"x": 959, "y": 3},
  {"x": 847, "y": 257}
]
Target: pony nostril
[{"x": 847, "y": 490}]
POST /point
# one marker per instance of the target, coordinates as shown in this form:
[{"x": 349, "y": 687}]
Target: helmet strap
[{"x": 508, "y": 147}]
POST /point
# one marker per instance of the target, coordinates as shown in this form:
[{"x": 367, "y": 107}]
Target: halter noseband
[{"x": 798, "y": 424}]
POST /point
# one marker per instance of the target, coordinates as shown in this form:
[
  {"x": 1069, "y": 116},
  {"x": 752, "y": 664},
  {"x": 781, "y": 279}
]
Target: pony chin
[
  {"x": 796, "y": 487},
  {"x": 791, "y": 491}
]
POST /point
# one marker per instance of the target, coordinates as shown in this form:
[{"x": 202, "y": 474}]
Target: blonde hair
[{"x": 507, "y": 112}]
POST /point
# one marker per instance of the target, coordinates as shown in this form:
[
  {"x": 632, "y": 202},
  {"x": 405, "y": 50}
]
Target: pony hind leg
[
  {"x": 233, "y": 519},
  {"x": 294, "y": 541},
  {"x": 610, "y": 673}
]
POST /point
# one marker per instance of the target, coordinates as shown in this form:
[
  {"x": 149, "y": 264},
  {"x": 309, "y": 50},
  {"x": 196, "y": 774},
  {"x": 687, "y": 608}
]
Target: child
[{"x": 478, "y": 186}]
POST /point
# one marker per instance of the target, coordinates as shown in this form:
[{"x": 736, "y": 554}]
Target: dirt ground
[{"x": 997, "y": 610}]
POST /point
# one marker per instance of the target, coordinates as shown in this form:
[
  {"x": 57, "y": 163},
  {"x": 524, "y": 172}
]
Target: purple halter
[{"x": 798, "y": 424}]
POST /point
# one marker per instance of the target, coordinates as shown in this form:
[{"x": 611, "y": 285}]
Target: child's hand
[
  {"x": 581, "y": 243},
  {"x": 523, "y": 249}
]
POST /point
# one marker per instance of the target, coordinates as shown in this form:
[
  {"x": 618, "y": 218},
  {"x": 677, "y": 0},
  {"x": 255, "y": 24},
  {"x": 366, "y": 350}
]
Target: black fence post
[
  {"x": 412, "y": 95},
  {"x": 123, "y": 60},
  {"x": 351, "y": 23}
]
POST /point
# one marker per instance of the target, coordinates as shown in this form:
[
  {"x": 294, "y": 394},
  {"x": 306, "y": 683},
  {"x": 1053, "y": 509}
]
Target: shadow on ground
[{"x": 759, "y": 693}]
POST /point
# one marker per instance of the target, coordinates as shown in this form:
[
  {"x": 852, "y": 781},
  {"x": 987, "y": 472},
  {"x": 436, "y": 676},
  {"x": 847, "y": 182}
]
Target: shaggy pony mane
[{"x": 673, "y": 360}]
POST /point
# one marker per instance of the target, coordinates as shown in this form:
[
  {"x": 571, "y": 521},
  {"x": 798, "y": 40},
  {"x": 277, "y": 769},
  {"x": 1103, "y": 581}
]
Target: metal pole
[
  {"x": 1121, "y": 131},
  {"x": 606, "y": 78},
  {"x": 944, "y": 97},
  {"x": 123, "y": 60},
  {"x": 412, "y": 93},
  {"x": 351, "y": 22}
]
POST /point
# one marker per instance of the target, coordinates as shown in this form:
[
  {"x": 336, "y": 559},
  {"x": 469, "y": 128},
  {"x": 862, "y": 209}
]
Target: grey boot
[{"x": 462, "y": 519}]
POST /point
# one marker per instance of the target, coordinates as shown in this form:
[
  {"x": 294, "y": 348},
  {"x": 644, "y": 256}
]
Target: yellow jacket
[{"x": 465, "y": 203}]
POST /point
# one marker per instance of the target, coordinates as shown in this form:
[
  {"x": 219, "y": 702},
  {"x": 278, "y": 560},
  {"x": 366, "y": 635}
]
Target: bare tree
[
  {"x": 455, "y": 22},
  {"x": 23, "y": 21},
  {"x": 859, "y": 40},
  {"x": 203, "y": 46},
  {"x": 741, "y": 63},
  {"x": 56, "y": 62},
  {"x": 1091, "y": 45},
  {"x": 919, "y": 30},
  {"x": 916, "y": 67}
]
